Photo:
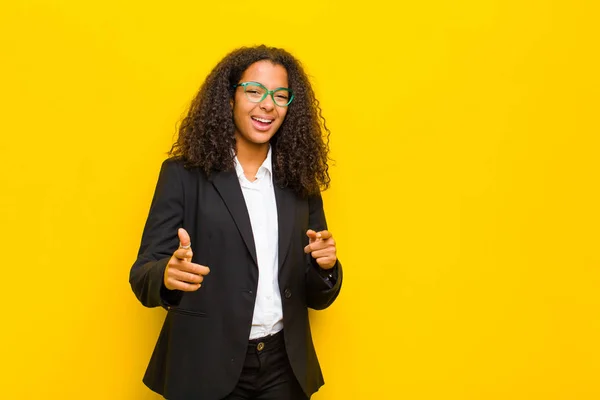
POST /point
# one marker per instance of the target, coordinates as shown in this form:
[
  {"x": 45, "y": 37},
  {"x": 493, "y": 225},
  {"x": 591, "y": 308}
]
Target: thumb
[{"x": 184, "y": 238}]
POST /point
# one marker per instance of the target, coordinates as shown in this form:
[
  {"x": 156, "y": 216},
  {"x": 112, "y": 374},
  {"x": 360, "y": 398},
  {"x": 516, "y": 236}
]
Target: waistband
[{"x": 268, "y": 342}]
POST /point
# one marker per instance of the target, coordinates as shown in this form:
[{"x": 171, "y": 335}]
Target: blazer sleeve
[
  {"x": 159, "y": 240},
  {"x": 321, "y": 288}
]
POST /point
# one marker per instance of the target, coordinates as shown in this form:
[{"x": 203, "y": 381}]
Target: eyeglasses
[{"x": 255, "y": 92}]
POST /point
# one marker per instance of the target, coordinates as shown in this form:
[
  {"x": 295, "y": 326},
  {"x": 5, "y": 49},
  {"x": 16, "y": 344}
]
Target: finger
[
  {"x": 309, "y": 248},
  {"x": 319, "y": 245},
  {"x": 184, "y": 287},
  {"x": 194, "y": 268},
  {"x": 312, "y": 235},
  {"x": 183, "y": 276},
  {"x": 324, "y": 235},
  {"x": 183, "y": 254},
  {"x": 184, "y": 239},
  {"x": 323, "y": 253}
]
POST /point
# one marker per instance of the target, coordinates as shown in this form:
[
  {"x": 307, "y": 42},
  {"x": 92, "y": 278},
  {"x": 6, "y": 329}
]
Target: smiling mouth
[{"x": 262, "y": 120}]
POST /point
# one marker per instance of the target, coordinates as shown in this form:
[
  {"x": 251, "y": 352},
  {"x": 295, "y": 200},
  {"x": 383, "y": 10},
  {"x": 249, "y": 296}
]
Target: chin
[
  {"x": 261, "y": 141},
  {"x": 261, "y": 138}
]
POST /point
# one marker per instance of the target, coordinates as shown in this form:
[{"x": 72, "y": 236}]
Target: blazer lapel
[
  {"x": 228, "y": 186},
  {"x": 286, "y": 210}
]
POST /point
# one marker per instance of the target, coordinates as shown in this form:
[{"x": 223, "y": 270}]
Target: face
[{"x": 256, "y": 123}]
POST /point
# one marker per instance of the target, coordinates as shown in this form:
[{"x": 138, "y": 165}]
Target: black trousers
[{"x": 267, "y": 374}]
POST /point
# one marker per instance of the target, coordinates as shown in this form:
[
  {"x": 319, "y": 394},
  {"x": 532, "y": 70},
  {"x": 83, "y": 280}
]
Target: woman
[{"x": 236, "y": 246}]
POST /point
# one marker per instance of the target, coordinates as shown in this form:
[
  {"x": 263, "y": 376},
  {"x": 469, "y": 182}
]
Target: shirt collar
[{"x": 267, "y": 165}]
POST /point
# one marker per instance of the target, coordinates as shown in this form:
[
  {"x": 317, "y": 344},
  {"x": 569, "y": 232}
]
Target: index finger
[
  {"x": 194, "y": 268},
  {"x": 311, "y": 234}
]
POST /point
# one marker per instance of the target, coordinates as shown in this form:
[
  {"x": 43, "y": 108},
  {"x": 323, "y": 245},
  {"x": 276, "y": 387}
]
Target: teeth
[{"x": 266, "y": 121}]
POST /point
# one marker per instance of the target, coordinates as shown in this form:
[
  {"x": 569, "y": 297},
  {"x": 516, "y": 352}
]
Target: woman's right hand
[{"x": 181, "y": 273}]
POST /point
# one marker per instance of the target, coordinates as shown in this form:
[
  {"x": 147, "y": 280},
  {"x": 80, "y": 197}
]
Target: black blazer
[{"x": 202, "y": 345}]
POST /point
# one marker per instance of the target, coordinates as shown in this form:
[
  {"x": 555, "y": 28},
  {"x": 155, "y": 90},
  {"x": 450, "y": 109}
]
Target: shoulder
[
  {"x": 315, "y": 201},
  {"x": 173, "y": 163},
  {"x": 176, "y": 167}
]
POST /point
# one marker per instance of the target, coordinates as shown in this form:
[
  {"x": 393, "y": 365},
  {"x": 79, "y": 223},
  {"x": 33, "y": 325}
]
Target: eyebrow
[{"x": 261, "y": 84}]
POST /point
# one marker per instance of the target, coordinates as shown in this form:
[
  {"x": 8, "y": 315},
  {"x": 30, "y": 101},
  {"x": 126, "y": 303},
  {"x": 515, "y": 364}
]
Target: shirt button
[{"x": 287, "y": 293}]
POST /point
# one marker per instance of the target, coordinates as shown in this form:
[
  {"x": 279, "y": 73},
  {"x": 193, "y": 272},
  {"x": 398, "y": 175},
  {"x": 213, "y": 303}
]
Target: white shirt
[{"x": 260, "y": 202}]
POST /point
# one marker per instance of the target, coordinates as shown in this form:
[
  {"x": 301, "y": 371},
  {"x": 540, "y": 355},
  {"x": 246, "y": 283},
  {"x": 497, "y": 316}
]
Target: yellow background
[{"x": 464, "y": 199}]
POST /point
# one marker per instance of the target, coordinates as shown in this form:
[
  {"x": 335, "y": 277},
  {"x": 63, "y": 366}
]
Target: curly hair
[{"x": 300, "y": 146}]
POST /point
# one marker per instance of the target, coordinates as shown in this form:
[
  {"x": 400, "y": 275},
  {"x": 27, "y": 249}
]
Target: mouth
[{"x": 262, "y": 124}]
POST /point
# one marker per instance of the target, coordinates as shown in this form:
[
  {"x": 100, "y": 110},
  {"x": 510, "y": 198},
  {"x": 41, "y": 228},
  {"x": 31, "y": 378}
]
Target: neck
[{"x": 251, "y": 157}]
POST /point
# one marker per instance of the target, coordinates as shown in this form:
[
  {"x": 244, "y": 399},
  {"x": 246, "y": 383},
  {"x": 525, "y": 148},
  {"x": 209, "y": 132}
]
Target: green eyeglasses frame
[{"x": 267, "y": 93}]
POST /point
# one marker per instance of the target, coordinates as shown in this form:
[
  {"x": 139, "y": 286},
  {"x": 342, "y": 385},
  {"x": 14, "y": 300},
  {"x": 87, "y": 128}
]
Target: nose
[{"x": 267, "y": 104}]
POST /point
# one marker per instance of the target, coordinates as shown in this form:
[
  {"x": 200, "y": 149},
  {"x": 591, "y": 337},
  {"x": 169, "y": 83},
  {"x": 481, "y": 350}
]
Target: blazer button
[{"x": 287, "y": 293}]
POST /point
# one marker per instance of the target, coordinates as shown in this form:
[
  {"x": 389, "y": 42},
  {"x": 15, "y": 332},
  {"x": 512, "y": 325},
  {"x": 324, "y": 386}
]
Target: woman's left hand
[{"x": 322, "y": 248}]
